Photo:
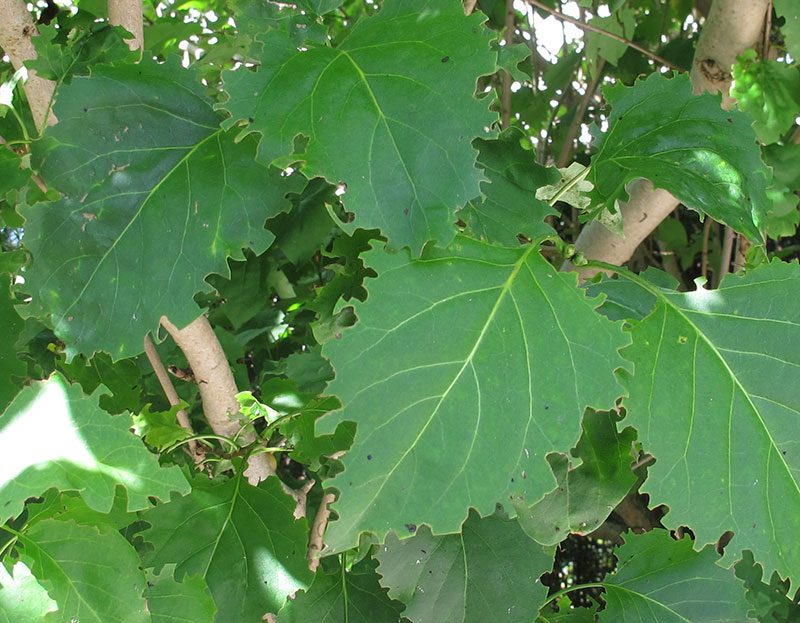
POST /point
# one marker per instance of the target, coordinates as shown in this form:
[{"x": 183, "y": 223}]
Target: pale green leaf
[
  {"x": 585, "y": 494},
  {"x": 769, "y": 91},
  {"x": 242, "y": 540},
  {"x": 169, "y": 601},
  {"x": 715, "y": 399},
  {"x": 338, "y": 595},
  {"x": 154, "y": 197},
  {"x": 472, "y": 364},
  {"x": 91, "y": 572},
  {"x": 789, "y": 10},
  {"x": 22, "y": 598},
  {"x": 660, "y": 580},
  {"x": 373, "y": 110},
  {"x": 685, "y": 143},
  {"x": 54, "y": 436},
  {"x": 488, "y": 572}
]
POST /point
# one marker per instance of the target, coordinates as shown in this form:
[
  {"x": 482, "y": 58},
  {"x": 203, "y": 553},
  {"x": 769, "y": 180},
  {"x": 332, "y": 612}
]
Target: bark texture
[
  {"x": 128, "y": 14},
  {"x": 17, "y": 29},
  {"x": 732, "y": 26}
]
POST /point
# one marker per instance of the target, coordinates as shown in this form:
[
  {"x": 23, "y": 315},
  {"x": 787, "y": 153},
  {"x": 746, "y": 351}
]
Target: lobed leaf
[
  {"x": 715, "y": 400},
  {"x": 490, "y": 571},
  {"x": 22, "y": 598},
  {"x": 705, "y": 156},
  {"x": 586, "y": 494},
  {"x": 154, "y": 197},
  {"x": 660, "y": 580},
  {"x": 54, "y": 436},
  {"x": 372, "y": 111},
  {"x": 91, "y": 572},
  {"x": 242, "y": 540},
  {"x": 338, "y": 594},
  {"x": 465, "y": 369}
]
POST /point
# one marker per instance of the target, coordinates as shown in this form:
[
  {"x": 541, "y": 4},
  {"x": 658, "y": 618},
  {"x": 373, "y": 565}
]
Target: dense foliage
[{"x": 364, "y": 203}]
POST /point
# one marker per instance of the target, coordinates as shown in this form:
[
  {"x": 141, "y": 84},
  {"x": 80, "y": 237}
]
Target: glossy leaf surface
[
  {"x": 79, "y": 447},
  {"x": 705, "y": 156},
  {"x": 714, "y": 399},
  {"x": 372, "y": 110},
  {"x": 493, "y": 343}
]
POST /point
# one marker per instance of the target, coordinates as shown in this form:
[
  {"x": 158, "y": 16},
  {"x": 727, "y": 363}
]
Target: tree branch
[
  {"x": 732, "y": 27},
  {"x": 128, "y": 14},
  {"x": 16, "y": 30},
  {"x": 587, "y": 26},
  {"x": 217, "y": 387}
]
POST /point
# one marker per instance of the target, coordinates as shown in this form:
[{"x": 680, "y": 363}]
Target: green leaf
[
  {"x": 707, "y": 157},
  {"x": 585, "y": 495},
  {"x": 509, "y": 206},
  {"x": 372, "y": 111},
  {"x": 54, "y": 436},
  {"x": 713, "y": 398},
  {"x": 770, "y": 602},
  {"x": 472, "y": 364},
  {"x": 85, "y": 48},
  {"x": 154, "y": 198},
  {"x": 92, "y": 572},
  {"x": 660, "y": 580},
  {"x": 319, "y": 7},
  {"x": 10, "y": 364},
  {"x": 622, "y": 23},
  {"x": 488, "y": 572},
  {"x": 307, "y": 447},
  {"x": 160, "y": 429},
  {"x": 169, "y": 601},
  {"x": 769, "y": 91},
  {"x": 788, "y": 9},
  {"x": 338, "y": 595},
  {"x": 22, "y": 598},
  {"x": 242, "y": 540}
]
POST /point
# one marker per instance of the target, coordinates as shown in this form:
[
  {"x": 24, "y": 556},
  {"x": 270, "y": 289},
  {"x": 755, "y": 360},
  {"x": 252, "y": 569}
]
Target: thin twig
[
  {"x": 704, "y": 256},
  {"x": 505, "y": 95},
  {"x": 469, "y": 6},
  {"x": 725, "y": 260},
  {"x": 587, "y": 26},
  {"x": 169, "y": 392},
  {"x": 318, "y": 531},
  {"x": 572, "y": 132}
]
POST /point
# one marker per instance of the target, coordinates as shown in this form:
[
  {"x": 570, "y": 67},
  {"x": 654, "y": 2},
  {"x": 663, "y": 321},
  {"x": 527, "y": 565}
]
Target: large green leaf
[
  {"x": 510, "y": 206},
  {"x": 715, "y": 399},
  {"x": 92, "y": 572},
  {"x": 465, "y": 369},
  {"x": 22, "y": 598},
  {"x": 242, "y": 540},
  {"x": 10, "y": 364},
  {"x": 154, "y": 197},
  {"x": 340, "y": 594},
  {"x": 374, "y": 110},
  {"x": 488, "y": 572},
  {"x": 707, "y": 157},
  {"x": 54, "y": 436},
  {"x": 169, "y": 601},
  {"x": 584, "y": 495},
  {"x": 660, "y": 580}
]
